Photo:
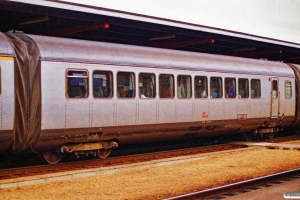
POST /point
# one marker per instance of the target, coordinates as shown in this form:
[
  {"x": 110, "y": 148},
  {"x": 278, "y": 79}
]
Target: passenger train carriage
[{"x": 63, "y": 95}]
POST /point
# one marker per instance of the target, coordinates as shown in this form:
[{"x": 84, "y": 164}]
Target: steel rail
[{"x": 218, "y": 191}]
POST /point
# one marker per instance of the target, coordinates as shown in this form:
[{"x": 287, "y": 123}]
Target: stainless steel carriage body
[
  {"x": 7, "y": 97},
  {"x": 132, "y": 120}
]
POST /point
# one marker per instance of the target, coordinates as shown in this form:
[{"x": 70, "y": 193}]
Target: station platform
[{"x": 286, "y": 190}]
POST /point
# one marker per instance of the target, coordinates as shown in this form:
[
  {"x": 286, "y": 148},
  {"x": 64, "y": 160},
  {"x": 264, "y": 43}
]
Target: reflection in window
[
  {"x": 230, "y": 88},
  {"x": 200, "y": 87},
  {"x": 274, "y": 89},
  {"x": 216, "y": 90},
  {"x": 77, "y": 84},
  {"x": 243, "y": 88},
  {"x": 147, "y": 85},
  {"x": 126, "y": 84},
  {"x": 166, "y": 86},
  {"x": 288, "y": 90},
  {"x": 102, "y": 84},
  {"x": 184, "y": 86},
  {"x": 255, "y": 88}
]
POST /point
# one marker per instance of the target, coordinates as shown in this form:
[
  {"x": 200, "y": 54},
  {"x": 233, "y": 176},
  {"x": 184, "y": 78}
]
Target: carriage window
[
  {"x": 147, "y": 85},
  {"x": 243, "y": 88},
  {"x": 200, "y": 87},
  {"x": 288, "y": 90},
  {"x": 166, "y": 86},
  {"x": 102, "y": 84},
  {"x": 230, "y": 90},
  {"x": 216, "y": 90},
  {"x": 77, "y": 84},
  {"x": 255, "y": 88},
  {"x": 274, "y": 89},
  {"x": 126, "y": 84},
  {"x": 184, "y": 85}
]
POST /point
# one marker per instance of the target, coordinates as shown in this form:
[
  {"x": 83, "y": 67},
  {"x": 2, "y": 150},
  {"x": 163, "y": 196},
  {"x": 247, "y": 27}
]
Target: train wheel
[
  {"x": 271, "y": 135},
  {"x": 248, "y": 136},
  {"x": 53, "y": 156},
  {"x": 103, "y": 153}
]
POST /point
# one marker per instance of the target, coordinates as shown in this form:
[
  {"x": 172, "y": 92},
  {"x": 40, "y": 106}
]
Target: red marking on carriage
[{"x": 204, "y": 115}]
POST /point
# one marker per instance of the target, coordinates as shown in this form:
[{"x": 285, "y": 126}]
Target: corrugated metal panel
[
  {"x": 70, "y": 50},
  {"x": 6, "y": 48}
]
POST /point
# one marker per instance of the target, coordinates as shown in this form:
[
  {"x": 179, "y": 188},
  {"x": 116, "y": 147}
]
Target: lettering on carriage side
[
  {"x": 204, "y": 115},
  {"x": 242, "y": 116}
]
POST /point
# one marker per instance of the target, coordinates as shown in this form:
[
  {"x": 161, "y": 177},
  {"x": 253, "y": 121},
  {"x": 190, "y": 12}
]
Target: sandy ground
[{"x": 167, "y": 181}]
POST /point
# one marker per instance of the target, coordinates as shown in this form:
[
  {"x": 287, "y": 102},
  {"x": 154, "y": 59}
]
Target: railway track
[
  {"x": 241, "y": 187},
  {"x": 18, "y": 172},
  {"x": 109, "y": 162}
]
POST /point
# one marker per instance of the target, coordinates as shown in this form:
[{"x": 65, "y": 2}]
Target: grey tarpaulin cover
[{"x": 27, "y": 66}]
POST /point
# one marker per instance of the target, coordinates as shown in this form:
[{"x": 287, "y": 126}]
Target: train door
[{"x": 274, "y": 98}]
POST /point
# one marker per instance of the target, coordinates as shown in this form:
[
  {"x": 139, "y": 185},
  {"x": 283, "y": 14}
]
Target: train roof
[
  {"x": 82, "y": 51},
  {"x": 6, "y": 48}
]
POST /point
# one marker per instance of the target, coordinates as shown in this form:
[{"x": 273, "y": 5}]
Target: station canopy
[{"x": 69, "y": 20}]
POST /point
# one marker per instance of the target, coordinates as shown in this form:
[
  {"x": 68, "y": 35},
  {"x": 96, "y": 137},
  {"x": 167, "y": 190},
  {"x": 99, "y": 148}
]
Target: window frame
[
  {"x": 247, "y": 89},
  {"x": 197, "y": 93},
  {"x": 67, "y": 76},
  {"x": 251, "y": 95},
  {"x": 229, "y": 91},
  {"x": 291, "y": 89},
  {"x": 111, "y": 85},
  {"x": 171, "y": 91},
  {"x": 154, "y": 91},
  {"x": 185, "y": 88},
  {"x": 220, "y": 88},
  {"x": 123, "y": 90}
]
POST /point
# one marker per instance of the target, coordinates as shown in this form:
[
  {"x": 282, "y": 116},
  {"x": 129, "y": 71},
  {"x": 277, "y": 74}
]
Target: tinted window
[
  {"x": 166, "y": 86},
  {"x": 126, "y": 84},
  {"x": 288, "y": 90},
  {"x": 77, "y": 84},
  {"x": 243, "y": 91},
  {"x": 230, "y": 88},
  {"x": 216, "y": 88},
  {"x": 274, "y": 89},
  {"x": 147, "y": 85},
  {"x": 201, "y": 87},
  {"x": 184, "y": 84},
  {"x": 102, "y": 84},
  {"x": 255, "y": 88}
]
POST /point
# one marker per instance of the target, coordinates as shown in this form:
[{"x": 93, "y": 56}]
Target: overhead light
[
  {"x": 164, "y": 37},
  {"x": 35, "y": 20},
  {"x": 245, "y": 49}
]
